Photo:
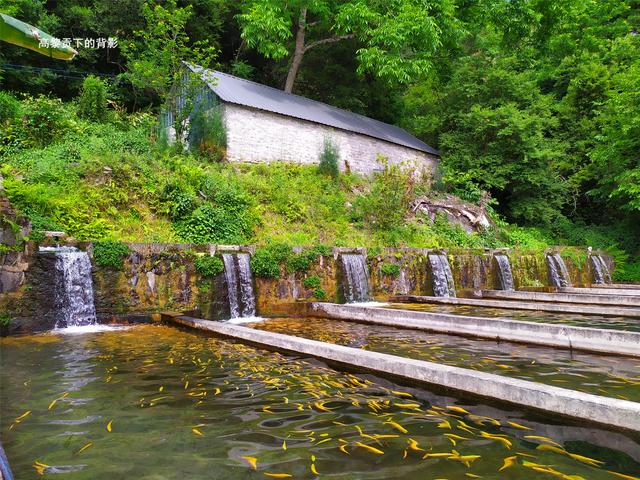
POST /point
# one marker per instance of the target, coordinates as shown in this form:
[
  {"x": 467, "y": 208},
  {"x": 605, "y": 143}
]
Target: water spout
[
  {"x": 601, "y": 274},
  {"x": 73, "y": 298},
  {"x": 237, "y": 271},
  {"x": 558, "y": 273},
  {"x": 355, "y": 284},
  {"x": 504, "y": 275},
  {"x": 441, "y": 276}
]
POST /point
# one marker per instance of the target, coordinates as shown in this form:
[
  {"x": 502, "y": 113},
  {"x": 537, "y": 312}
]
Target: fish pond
[{"x": 154, "y": 402}]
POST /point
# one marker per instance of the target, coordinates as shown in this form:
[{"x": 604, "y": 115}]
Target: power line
[{"x": 63, "y": 74}]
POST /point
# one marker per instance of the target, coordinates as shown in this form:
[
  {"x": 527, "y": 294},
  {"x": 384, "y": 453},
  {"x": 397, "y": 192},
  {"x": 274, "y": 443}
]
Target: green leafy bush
[
  {"x": 92, "y": 103},
  {"x": 390, "y": 269},
  {"x": 9, "y": 108},
  {"x": 5, "y": 320},
  {"x": 110, "y": 254},
  {"x": 313, "y": 283},
  {"x": 329, "y": 158},
  {"x": 302, "y": 261},
  {"x": 208, "y": 266},
  {"x": 44, "y": 119},
  {"x": 266, "y": 261}
]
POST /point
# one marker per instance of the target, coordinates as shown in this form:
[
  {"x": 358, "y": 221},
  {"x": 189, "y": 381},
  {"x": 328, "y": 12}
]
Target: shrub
[
  {"x": 110, "y": 254},
  {"x": 93, "y": 99},
  {"x": 313, "y": 283},
  {"x": 208, "y": 266},
  {"x": 9, "y": 108},
  {"x": 5, "y": 320},
  {"x": 329, "y": 158},
  {"x": 301, "y": 262},
  {"x": 265, "y": 262},
  {"x": 208, "y": 133},
  {"x": 44, "y": 119},
  {"x": 390, "y": 269}
]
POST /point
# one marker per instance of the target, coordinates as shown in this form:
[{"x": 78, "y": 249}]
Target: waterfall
[
  {"x": 356, "y": 278},
  {"x": 505, "y": 277},
  {"x": 601, "y": 273},
  {"x": 441, "y": 276},
  {"x": 558, "y": 273},
  {"x": 237, "y": 271},
  {"x": 73, "y": 298}
]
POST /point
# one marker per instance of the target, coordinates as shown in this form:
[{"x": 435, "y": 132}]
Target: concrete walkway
[
  {"x": 613, "y": 300},
  {"x": 627, "y": 292},
  {"x": 617, "y": 342},
  {"x": 516, "y": 305},
  {"x": 603, "y": 410}
]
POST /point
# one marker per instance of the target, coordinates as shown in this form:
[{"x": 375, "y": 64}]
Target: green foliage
[
  {"x": 208, "y": 266},
  {"x": 208, "y": 133},
  {"x": 92, "y": 103},
  {"x": 329, "y": 158},
  {"x": 302, "y": 261},
  {"x": 266, "y": 261},
  {"x": 391, "y": 269},
  {"x": 9, "y": 108},
  {"x": 313, "y": 283},
  {"x": 110, "y": 254},
  {"x": 5, "y": 320},
  {"x": 44, "y": 119},
  {"x": 386, "y": 205}
]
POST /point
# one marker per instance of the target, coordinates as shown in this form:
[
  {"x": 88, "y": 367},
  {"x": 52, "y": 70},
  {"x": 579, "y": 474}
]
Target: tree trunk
[{"x": 298, "y": 53}]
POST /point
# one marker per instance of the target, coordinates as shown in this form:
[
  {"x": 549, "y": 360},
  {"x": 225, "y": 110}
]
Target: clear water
[
  {"x": 617, "y": 377},
  {"x": 591, "y": 321},
  {"x": 182, "y": 405}
]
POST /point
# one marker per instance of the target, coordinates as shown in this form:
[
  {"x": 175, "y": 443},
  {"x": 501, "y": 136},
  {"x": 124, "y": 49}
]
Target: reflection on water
[
  {"x": 592, "y": 321},
  {"x": 598, "y": 374},
  {"x": 154, "y": 402}
]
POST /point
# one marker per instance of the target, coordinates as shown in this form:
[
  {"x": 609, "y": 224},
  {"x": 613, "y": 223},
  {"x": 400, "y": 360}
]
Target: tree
[
  {"x": 397, "y": 38},
  {"x": 156, "y": 61}
]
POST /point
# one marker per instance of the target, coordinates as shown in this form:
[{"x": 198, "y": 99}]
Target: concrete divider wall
[
  {"x": 614, "y": 300},
  {"x": 603, "y": 410},
  {"x": 617, "y": 342},
  {"x": 610, "y": 311}
]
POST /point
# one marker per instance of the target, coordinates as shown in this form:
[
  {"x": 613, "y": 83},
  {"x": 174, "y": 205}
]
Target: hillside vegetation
[{"x": 111, "y": 180}]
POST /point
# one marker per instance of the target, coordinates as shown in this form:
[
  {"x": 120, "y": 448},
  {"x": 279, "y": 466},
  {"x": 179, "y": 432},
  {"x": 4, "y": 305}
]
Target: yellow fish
[
  {"x": 517, "y": 425},
  {"x": 622, "y": 475},
  {"x": 508, "y": 462},
  {"x": 456, "y": 409},
  {"x": 109, "y": 425},
  {"x": 370, "y": 448},
  {"x": 88, "y": 445},
  {"x": 542, "y": 439},
  {"x": 397, "y": 426},
  {"x": 277, "y": 475},
  {"x": 253, "y": 461}
]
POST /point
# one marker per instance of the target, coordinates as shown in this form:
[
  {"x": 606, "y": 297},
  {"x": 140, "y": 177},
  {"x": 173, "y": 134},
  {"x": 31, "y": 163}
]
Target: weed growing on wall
[
  {"x": 208, "y": 266},
  {"x": 302, "y": 261},
  {"x": 266, "y": 261},
  {"x": 390, "y": 269},
  {"x": 313, "y": 283},
  {"x": 110, "y": 254}
]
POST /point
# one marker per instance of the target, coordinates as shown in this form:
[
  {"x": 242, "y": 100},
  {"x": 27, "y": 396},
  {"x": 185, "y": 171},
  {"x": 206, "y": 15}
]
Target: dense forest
[{"x": 536, "y": 102}]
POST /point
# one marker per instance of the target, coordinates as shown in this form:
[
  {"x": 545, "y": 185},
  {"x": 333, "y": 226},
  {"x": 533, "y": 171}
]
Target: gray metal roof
[{"x": 250, "y": 94}]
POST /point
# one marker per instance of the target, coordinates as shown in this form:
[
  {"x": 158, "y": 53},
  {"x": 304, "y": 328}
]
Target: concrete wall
[{"x": 258, "y": 136}]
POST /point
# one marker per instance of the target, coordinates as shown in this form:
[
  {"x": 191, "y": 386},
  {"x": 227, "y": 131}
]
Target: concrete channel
[
  {"x": 613, "y": 300},
  {"x": 607, "y": 411},
  {"x": 518, "y": 305},
  {"x": 616, "y": 342},
  {"x": 624, "y": 292}
]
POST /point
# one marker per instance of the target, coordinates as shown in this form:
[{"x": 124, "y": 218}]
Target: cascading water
[
  {"x": 237, "y": 271},
  {"x": 356, "y": 278},
  {"x": 505, "y": 277},
  {"x": 558, "y": 273},
  {"x": 441, "y": 276},
  {"x": 601, "y": 274},
  {"x": 74, "y": 288}
]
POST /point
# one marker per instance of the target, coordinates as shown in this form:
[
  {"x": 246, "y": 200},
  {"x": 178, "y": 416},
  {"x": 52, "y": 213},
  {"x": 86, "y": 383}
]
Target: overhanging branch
[{"x": 328, "y": 40}]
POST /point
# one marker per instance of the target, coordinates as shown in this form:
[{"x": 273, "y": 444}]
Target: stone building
[{"x": 264, "y": 124}]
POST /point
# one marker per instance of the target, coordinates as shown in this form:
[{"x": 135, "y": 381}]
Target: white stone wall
[{"x": 259, "y": 136}]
